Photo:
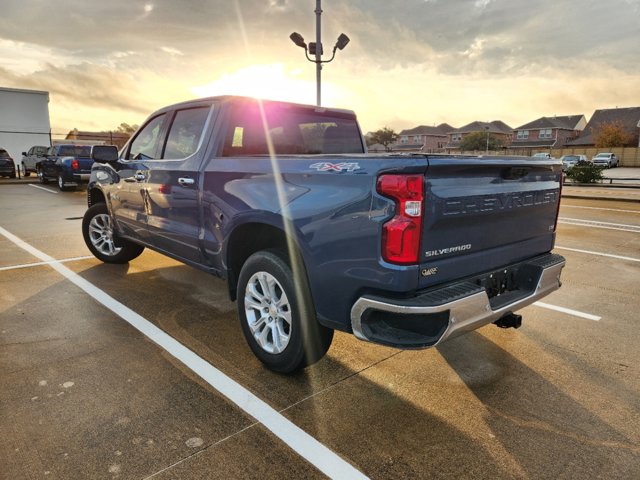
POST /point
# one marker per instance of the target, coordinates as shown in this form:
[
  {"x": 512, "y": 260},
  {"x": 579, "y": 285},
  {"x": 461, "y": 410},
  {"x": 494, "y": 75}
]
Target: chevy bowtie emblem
[{"x": 335, "y": 167}]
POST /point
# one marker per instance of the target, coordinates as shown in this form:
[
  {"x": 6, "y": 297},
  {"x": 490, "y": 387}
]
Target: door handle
[{"x": 186, "y": 181}]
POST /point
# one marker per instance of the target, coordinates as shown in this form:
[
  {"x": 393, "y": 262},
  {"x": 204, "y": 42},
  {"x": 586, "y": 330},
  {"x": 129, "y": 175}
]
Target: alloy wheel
[
  {"x": 101, "y": 235},
  {"x": 268, "y": 312}
]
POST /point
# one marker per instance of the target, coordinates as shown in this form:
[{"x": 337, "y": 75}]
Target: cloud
[{"x": 405, "y": 56}]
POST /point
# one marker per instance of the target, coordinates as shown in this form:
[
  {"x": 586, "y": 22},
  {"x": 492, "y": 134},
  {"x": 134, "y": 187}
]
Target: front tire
[
  {"x": 25, "y": 172},
  {"x": 41, "y": 177},
  {"x": 278, "y": 320},
  {"x": 101, "y": 239}
]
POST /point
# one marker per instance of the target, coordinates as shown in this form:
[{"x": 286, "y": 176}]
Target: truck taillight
[
  {"x": 74, "y": 164},
  {"x": 401, "y": 234}
]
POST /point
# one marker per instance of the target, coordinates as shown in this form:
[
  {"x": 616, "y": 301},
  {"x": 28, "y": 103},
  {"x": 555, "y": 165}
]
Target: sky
[{"x": 409, "y": 62}]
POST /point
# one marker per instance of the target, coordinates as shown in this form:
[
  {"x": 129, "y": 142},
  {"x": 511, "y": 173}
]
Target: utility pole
[{"x": 318, "y": 52}]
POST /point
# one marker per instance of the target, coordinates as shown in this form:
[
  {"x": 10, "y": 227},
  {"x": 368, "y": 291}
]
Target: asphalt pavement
[{"x": 96, "y": 378}]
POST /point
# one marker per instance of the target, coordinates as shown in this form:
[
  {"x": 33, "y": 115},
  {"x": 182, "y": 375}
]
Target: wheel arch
[
  {"x": 249, "y": 238},
  {"x": 95, "y": 196}
]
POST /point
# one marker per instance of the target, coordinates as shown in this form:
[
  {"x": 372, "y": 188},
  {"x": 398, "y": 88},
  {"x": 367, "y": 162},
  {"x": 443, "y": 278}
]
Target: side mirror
[
  {"x": 104, "y": 153},
  {"x": 24, "y": 153}
]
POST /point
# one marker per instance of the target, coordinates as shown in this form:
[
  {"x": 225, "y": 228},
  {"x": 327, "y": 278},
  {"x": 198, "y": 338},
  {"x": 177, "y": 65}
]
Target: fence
[{"x": 629, "y": 156}]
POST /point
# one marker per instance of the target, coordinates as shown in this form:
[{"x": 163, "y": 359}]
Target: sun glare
[{"x": 271, "y": 82}]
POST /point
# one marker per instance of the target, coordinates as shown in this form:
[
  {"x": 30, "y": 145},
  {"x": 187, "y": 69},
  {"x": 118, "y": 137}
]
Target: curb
[{"x": 609, "y": 199}]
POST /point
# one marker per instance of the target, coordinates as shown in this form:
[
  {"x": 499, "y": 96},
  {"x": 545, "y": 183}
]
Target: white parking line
[
  {"x": 595, "y": 224},
  {"x": 37, "y": 264},
  {"x": 43, "y": 188},
  {"x": 316, "y": 453},
  {"x": 637, "y": 212},
  {"x": 599, "y": 254},
  {"x": 568, "y": 311}
]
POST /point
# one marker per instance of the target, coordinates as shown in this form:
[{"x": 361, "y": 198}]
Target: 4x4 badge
[{"x": 335, "y": 167}]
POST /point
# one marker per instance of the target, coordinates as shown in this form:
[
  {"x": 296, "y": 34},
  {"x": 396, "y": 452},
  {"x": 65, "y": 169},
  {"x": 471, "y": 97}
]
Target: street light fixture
[{"x": 315, "y": 49}]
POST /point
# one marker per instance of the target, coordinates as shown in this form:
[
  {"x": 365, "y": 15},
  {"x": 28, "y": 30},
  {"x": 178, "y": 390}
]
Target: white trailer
[{"x": 24, "y": 120}]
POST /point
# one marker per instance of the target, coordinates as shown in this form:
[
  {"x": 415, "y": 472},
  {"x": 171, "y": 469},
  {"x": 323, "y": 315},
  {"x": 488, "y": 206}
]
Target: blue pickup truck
[
  {"x": 67, "y": 165},
  {"x": 313, "y": 234}
]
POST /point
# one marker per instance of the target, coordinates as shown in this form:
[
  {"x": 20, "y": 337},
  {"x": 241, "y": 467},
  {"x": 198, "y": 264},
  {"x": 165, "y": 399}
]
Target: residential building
[
  {"x": 497, "y": 129},
  {"x": 423, "y": 138},
  {"x": 549, "y": 132},
  {"x": 628, "y": 117}
]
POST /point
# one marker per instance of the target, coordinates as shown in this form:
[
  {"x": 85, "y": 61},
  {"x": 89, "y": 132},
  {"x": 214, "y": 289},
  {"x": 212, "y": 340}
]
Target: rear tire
[
  {"x": 102, "y": 240},
  {"x": 61, "y": 184},
  {"x": 278, "y": 321}
]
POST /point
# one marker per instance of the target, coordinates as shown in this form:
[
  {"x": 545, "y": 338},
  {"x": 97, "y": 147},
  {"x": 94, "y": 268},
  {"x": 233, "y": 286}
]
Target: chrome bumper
[{"x": 465, "y": 313}]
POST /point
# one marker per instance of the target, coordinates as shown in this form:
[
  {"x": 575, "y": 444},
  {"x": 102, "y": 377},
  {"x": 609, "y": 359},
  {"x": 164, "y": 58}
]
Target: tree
[
  {"x": 385, "y": 136},
  {"x": 126, "y": 128},
  {"x": 611, "y": 134},
  {"x": 477, "y": 141}
]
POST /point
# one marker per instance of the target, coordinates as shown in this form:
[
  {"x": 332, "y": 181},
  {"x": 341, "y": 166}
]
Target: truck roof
[{"x": 237, "y": 98}]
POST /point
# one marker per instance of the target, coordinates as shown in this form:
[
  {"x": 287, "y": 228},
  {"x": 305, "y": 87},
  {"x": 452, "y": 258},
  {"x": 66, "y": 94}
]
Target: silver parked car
[
  {"x": 608, "y": 160},
  {"x": 36, "y": 154},
  {"x": 569, "y": 161}
]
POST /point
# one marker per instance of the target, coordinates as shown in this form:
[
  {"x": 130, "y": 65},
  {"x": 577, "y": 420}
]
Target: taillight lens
[
  {"x": 74, "y": 164},
  {"x": 401, "y": 234}
]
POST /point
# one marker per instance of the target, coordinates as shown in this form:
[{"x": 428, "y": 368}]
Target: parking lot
[{"x": 93, "y": 387}]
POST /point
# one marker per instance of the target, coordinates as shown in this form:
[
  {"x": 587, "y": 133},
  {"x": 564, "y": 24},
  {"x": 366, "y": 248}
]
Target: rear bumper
[
  {"x": 77, "y": 178},
  {"x": 437, "y": 314}
]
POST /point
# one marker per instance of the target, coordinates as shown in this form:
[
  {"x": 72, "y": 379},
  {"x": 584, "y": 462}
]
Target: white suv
[{"x": 609, "y": 160}]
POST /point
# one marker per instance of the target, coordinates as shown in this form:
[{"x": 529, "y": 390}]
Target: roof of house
[
  {"x": 568, "y": 122},
  {"x": 497, "y": 126},
  {"x": 440, "y": 131},
  {"x": 629, "y": 117}
]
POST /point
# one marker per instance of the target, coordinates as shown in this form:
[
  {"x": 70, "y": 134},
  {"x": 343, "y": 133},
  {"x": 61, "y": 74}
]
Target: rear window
[
  {"x": 292, "y": 130},
  {"x": 4, "y": 154},
  {"x": 75, "y": 151}
]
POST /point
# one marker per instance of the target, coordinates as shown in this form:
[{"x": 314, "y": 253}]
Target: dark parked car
[
  {"x": 31, "y": 158},
  {"x": 7, "y": 166},
  {"x": 68, "y": 165}
]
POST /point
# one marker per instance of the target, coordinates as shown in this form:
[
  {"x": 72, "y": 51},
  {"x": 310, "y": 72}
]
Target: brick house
[
  {"x": 423, "y": 138},
  {"x": 549, "y": 132},
  {"x": 628, "y": 117},
  {"x": 497, "y": 129}
]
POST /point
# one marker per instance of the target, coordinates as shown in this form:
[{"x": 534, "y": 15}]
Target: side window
[
  {"x": 146, "y": 144},
  {"x": 185, "y": 133}
]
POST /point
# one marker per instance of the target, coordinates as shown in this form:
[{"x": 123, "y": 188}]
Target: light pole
[
  {"x": 487, "y": 129},
  {"x": 315, "y": 49}
]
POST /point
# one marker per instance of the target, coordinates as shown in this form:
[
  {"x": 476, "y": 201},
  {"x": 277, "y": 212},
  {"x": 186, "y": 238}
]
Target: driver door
[{"x": 130, "y": 201}]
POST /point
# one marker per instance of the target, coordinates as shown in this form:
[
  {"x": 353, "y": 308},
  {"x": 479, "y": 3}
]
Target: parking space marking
[
  {"x": 37, "y": 264},
  {"x": 568, "y": 311},
  {"x": 315, "y": 452},
  {"x": 43, "y": 188},
  {"x": 595, "y": 224},
  {"x": 599, "y": 254},
  {"x": 637, "y": 212}
]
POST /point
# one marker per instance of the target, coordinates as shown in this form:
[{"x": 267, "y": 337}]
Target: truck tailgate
[{"x": 482, "y": 213}]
